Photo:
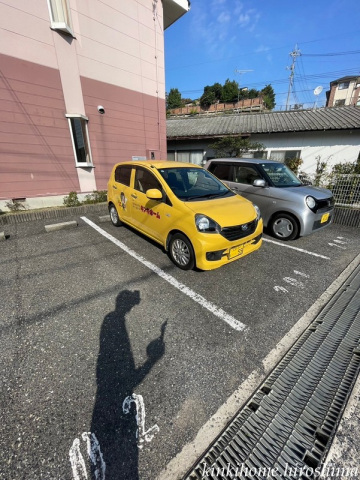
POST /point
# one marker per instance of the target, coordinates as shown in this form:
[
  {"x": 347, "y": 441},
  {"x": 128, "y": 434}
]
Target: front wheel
[
  {"x": 114, "y": 216},
  {"x": 181, "y": 252},
  {"x": 284, "y": 227}
]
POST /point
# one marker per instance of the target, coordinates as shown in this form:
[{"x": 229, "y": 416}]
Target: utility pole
[{"x": 294, "y": 54}]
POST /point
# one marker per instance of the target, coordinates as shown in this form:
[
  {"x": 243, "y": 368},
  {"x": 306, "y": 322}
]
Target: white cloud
[
  {"x": 214, "y": 23},
  {"x": 262, "y": 48},
  {"x": 224, "y": 17}
]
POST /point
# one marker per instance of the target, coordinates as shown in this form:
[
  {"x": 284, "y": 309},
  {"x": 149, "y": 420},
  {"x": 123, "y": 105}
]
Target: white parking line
[
  {"x": 296, "y": 248},
  {"x": 218, "y": 312}
]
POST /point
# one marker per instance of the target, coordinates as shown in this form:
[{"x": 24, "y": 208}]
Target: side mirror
[
  {"x": 259, "y": 182},
  {"x": 154, "y": 194}
]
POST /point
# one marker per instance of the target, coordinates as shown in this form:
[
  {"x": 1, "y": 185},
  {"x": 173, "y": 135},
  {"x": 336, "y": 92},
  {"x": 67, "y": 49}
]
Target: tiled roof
[{"x": 320, "y": 119}]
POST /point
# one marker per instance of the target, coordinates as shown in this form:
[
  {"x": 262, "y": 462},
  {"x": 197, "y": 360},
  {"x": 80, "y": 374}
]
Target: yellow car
[{"x": 197, "y": 219}]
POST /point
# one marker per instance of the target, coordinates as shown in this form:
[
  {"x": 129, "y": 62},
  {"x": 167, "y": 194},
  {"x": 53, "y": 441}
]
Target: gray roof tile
[{"x": 336, "y": 118}]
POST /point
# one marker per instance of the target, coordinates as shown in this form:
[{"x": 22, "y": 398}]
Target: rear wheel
[
  {"x": 284, "y": 226},
  {"x": 114, "y": 216},
  {"x": 181, "y": 252}
]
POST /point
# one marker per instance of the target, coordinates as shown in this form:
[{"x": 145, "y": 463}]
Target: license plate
[
  {"x": 236, "y": 251},
  {"x": 325, "y": 218}
]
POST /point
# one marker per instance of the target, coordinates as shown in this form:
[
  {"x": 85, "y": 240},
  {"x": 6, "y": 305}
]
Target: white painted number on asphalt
[
  {"x": 94, "y": 454},
  {"x": 141, "y": 433},
  {"x": 93, "y": 450},
  {"x": 280, "y": 289},
  {"x": 292, "y": 281},
  {"x": 338, "y": 242}
]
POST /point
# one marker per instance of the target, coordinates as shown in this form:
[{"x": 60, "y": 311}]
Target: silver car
[{"x": 289, "y": 208}]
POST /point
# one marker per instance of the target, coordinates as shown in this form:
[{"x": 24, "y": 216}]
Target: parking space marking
[
  {"x": 218, "y": 312},
  {"x": 296, "y": 248}
]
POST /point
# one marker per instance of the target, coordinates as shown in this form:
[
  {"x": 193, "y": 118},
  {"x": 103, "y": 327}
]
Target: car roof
[
  {"x": 159, "y": 164},
  {"x": 243, "y": 160}
]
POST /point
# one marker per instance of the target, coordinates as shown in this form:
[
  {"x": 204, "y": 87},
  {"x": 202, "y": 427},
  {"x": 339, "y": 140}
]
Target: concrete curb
[
  {"x": 60, "y": 226},
  {"x": 2, "y": 236},
  {"x": 29, "y": 216}
]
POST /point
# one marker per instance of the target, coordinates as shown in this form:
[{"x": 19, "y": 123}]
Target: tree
[
  {"x": 234, "y": 146},
  {"x": 268, "y": 95},
  {"x": 207, "y": 98},
  {"x": 217, "y": 88},
  {"x": 174, "y": 99},
  {"x": 230, "y": 91},
  {"x": 252, "y": 93}
]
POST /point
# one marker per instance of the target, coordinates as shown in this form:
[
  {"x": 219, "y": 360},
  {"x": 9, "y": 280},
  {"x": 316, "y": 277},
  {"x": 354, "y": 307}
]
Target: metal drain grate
[{"x": 286, "y": 427}]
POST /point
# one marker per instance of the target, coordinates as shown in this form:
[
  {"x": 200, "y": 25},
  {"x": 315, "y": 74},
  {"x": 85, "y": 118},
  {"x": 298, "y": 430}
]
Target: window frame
[
  {"x": 288, "y": 154},
  {"x": 343, "y": 85},
  {"x": 85, "y": 120},
  {"x": 64, "y": 25},
  {"x": 153, "y": 177},
  {"x": 340, "y": 102},
  {"x": 124, "y": 167}
]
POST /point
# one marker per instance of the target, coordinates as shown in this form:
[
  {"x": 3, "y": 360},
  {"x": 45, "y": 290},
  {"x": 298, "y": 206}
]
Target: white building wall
[{"x": 331, "y": 147}]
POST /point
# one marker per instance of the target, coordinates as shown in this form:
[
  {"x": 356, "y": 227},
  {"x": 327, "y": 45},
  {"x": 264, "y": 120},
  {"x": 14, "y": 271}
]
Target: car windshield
[
  {"x": 194, "y": 184},
  {"x": 281, "y": 175}
]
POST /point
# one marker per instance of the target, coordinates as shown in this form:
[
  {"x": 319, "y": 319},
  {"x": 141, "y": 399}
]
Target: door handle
[
  {"x": 133, "y": 195},
  {"x": 114, "y": 187}
]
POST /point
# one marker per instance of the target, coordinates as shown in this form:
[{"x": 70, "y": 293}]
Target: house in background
[
  {"x": 328, "y": 134},
  {"x": 344, "y": 91},
  {"x": 82, "y": 86}
]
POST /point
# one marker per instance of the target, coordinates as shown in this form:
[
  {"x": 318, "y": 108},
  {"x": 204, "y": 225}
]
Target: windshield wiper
[{"x": 208, "y": 195}]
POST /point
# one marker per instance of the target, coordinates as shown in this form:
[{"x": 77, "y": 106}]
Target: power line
[{"x": 352, "y": 52}]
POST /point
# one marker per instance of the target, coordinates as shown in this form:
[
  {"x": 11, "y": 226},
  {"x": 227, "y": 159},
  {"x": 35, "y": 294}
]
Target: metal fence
[{"x": 346, "y": 190}]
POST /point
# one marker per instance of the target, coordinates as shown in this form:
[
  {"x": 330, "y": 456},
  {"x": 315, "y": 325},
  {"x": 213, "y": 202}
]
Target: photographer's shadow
[{"x": 117, "y": 378}]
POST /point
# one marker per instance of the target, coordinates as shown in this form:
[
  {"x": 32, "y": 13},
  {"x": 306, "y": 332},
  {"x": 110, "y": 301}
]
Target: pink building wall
[
  {"x": 36, "y": 155},
  {"x": 116, "y": 59}
]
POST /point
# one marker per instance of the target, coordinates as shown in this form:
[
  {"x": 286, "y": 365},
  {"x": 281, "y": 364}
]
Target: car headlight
[
  {"x": 258, "y": 213},
  {"x": 310, "y": 202},
  {"x": 205, "y": 224}
]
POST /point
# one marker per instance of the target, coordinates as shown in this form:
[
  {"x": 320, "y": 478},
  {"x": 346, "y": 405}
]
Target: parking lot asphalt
[{"x": 91, "y": 333}]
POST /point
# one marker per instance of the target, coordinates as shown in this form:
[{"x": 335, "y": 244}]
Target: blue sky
[{"x": 217, "y": 37}]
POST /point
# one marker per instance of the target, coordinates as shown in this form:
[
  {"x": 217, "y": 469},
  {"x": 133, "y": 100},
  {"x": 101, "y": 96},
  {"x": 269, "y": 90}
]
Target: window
[
  {"x": 80, "y": 140},
  {"x": 60, "y": 15},
  {"x": 339, "y": 103},
  {"x": 145, "y": 180},
  {"x": 171, "y": 155},
  {"x": 190, "y": 156},
  {"x": 245, "y": 175},
  {"x": 282, "y": 155},
  {"x": 123, "y": 174},
  {"x": 343, "y": 86},
  {"x": 221, "y": 170},
  {"x": 281, "y": 175}
]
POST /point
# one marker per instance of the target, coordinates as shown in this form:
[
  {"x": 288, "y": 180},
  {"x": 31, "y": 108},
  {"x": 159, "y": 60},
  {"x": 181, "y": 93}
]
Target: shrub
[
  {"x": 72, "y": 200},
  {"x": 98, "y": 196},
  {"x": 294, "y": 164}
]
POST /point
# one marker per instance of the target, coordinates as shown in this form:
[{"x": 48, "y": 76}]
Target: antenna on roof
[
  {"x": 317, "y": 92},
  {"x": 240, "y": 72}
]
